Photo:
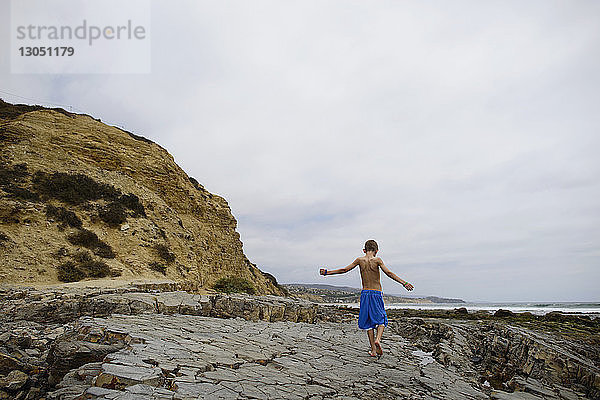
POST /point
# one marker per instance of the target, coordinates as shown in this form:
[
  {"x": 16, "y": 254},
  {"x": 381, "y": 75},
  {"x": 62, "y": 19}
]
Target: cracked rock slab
[{"x": 195, "y": 357}]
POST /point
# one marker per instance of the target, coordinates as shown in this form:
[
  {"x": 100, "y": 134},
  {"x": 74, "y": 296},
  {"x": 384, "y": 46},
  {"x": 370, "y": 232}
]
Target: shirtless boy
[{"x": 372, "y": 316}]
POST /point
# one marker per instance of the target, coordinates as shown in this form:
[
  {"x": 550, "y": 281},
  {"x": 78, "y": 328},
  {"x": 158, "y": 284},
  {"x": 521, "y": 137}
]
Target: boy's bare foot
[{"x": 378, "y": 348}]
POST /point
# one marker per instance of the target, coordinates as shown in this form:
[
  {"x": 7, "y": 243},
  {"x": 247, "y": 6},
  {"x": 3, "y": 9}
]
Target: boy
[{"x": 372, "y": 314}]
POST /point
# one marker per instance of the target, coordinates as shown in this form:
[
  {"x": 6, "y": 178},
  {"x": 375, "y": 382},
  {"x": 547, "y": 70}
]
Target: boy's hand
[
  {"x": 408, "y": 286},
  {"x": 323, "y": 271}
]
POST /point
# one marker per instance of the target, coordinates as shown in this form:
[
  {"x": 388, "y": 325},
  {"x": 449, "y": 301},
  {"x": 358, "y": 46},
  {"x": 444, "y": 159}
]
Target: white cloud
[{"x": 460, "y": 135}]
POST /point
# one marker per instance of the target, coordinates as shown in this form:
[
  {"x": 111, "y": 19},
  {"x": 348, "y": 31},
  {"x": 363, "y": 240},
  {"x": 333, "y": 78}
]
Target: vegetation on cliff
[
  {"x": 234, "y": 284},
  {"x": 69, "y": 183},
  {"x": 82, "y": 266}
]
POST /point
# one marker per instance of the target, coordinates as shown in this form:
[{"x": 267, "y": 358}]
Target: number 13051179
[{"x": 46, "y": 51}]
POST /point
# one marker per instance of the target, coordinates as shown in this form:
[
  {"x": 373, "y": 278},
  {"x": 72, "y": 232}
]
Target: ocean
[{"x": 537, "y": 308}]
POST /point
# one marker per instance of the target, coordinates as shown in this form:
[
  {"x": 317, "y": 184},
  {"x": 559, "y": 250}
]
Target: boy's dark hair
[{"x": 371, "y": 245}]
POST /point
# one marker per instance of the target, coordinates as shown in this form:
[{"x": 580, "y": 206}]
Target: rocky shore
[{"x": 158, "y": 342}]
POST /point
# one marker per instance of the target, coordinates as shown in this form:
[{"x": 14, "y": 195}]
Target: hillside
[
  {"x": 81, "y": 199},
  {"x": 345, "y": 294}
]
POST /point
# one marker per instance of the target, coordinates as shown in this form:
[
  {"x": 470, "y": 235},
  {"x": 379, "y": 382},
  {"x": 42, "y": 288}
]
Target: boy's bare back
[{"x": 369, "y": 272}]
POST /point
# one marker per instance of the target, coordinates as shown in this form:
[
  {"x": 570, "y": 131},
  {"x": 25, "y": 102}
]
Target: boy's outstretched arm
[
  {"x": 395, "y": 277},
  {"x": 324, "y": 271}
]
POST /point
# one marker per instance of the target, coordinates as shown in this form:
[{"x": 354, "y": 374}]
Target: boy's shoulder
[{"x": 378, "y": 260}]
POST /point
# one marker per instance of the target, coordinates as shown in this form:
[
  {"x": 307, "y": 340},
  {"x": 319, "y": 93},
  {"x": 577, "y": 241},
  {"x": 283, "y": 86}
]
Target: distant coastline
[
  {"x": 583, "y": 309},
  {"x": 349, "y": 296},
  {"x": 345, "y": 294}
]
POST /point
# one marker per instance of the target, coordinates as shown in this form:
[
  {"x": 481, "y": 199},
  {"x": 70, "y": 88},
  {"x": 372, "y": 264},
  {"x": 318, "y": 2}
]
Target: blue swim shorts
[{"x": 372, "y": 311}]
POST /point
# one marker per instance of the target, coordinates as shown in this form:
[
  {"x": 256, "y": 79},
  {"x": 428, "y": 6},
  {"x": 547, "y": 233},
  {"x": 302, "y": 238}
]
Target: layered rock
[
  {"x": 507, "y": 358},
  {"x": 138, "y": 342},
  {"x": 65, "y": 178},
  {"x": 41, "y": 335},
  {"x": 190, "y": 357},
  {"x": 63, "y": 305}
]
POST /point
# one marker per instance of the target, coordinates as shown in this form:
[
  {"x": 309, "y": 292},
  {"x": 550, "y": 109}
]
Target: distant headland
[{"x": 345, "y": 294}]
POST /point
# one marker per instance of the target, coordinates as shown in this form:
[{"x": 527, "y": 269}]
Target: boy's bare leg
[
  {"x": 377, "y": 341},
  {"x": 371, "y": 335}
]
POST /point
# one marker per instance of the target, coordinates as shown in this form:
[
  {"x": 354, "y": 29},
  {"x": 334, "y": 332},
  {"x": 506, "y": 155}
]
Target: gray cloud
[{"x": 462, "y": 136}]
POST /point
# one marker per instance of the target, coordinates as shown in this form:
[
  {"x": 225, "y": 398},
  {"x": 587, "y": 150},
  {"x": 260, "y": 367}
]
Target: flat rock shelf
[
  {"x": 154, "y": 342},
  {"x": 190, "y": 357}
]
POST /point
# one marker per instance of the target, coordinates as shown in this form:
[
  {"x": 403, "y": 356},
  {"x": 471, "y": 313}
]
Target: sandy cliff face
[{"x": 74, "y": 190}]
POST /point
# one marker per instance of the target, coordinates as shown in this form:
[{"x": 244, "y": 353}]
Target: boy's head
[{"x": 371, "y": 245}]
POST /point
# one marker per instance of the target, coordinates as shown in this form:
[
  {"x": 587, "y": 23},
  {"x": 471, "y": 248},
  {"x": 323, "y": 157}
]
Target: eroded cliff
[{"x": 79, "y": 198}]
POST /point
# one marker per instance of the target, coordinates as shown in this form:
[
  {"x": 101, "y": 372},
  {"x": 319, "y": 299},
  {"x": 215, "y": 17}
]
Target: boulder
[
  {"x": 14, "y": 381},
  {"x": 70, "y": 353},
  {"x": 503, "y": 313},
  {"x": 117, "y": 376}
]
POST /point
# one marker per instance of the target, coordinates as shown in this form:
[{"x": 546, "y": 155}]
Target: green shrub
[
  {"x": 10, "y": 215},
  {"x": 76, "y": 189},
  {"x": 164, "y": 253},
  {"x": 82, "y": 266},
  {"x": 155, "y": 266},
  {"x": 63, "y": 216},
  {"x": 93, "y": 268},
  {"x": 85, "y": 238},
  {"x": 104, "y": 250},
  {"x": 10, "y": 179},
  {"x": 3, "y": 238},
  {"x": 22, "y": 193},
  {"x": 234, "y": 284},
  {"x": 132, "y": 202},
  {"x": 72, "y": 188},
  {"x": 60, "y": 253},
  {"x": 113, "y": 214},
  {"x": 10, "y": 175},
  {"x": 90, "y": 240},
  {"x": 69, "y": 272}
]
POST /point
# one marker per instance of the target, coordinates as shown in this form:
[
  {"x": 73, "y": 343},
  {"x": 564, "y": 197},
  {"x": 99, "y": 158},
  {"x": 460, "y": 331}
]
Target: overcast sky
[{"x": 462, "y": 135}]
